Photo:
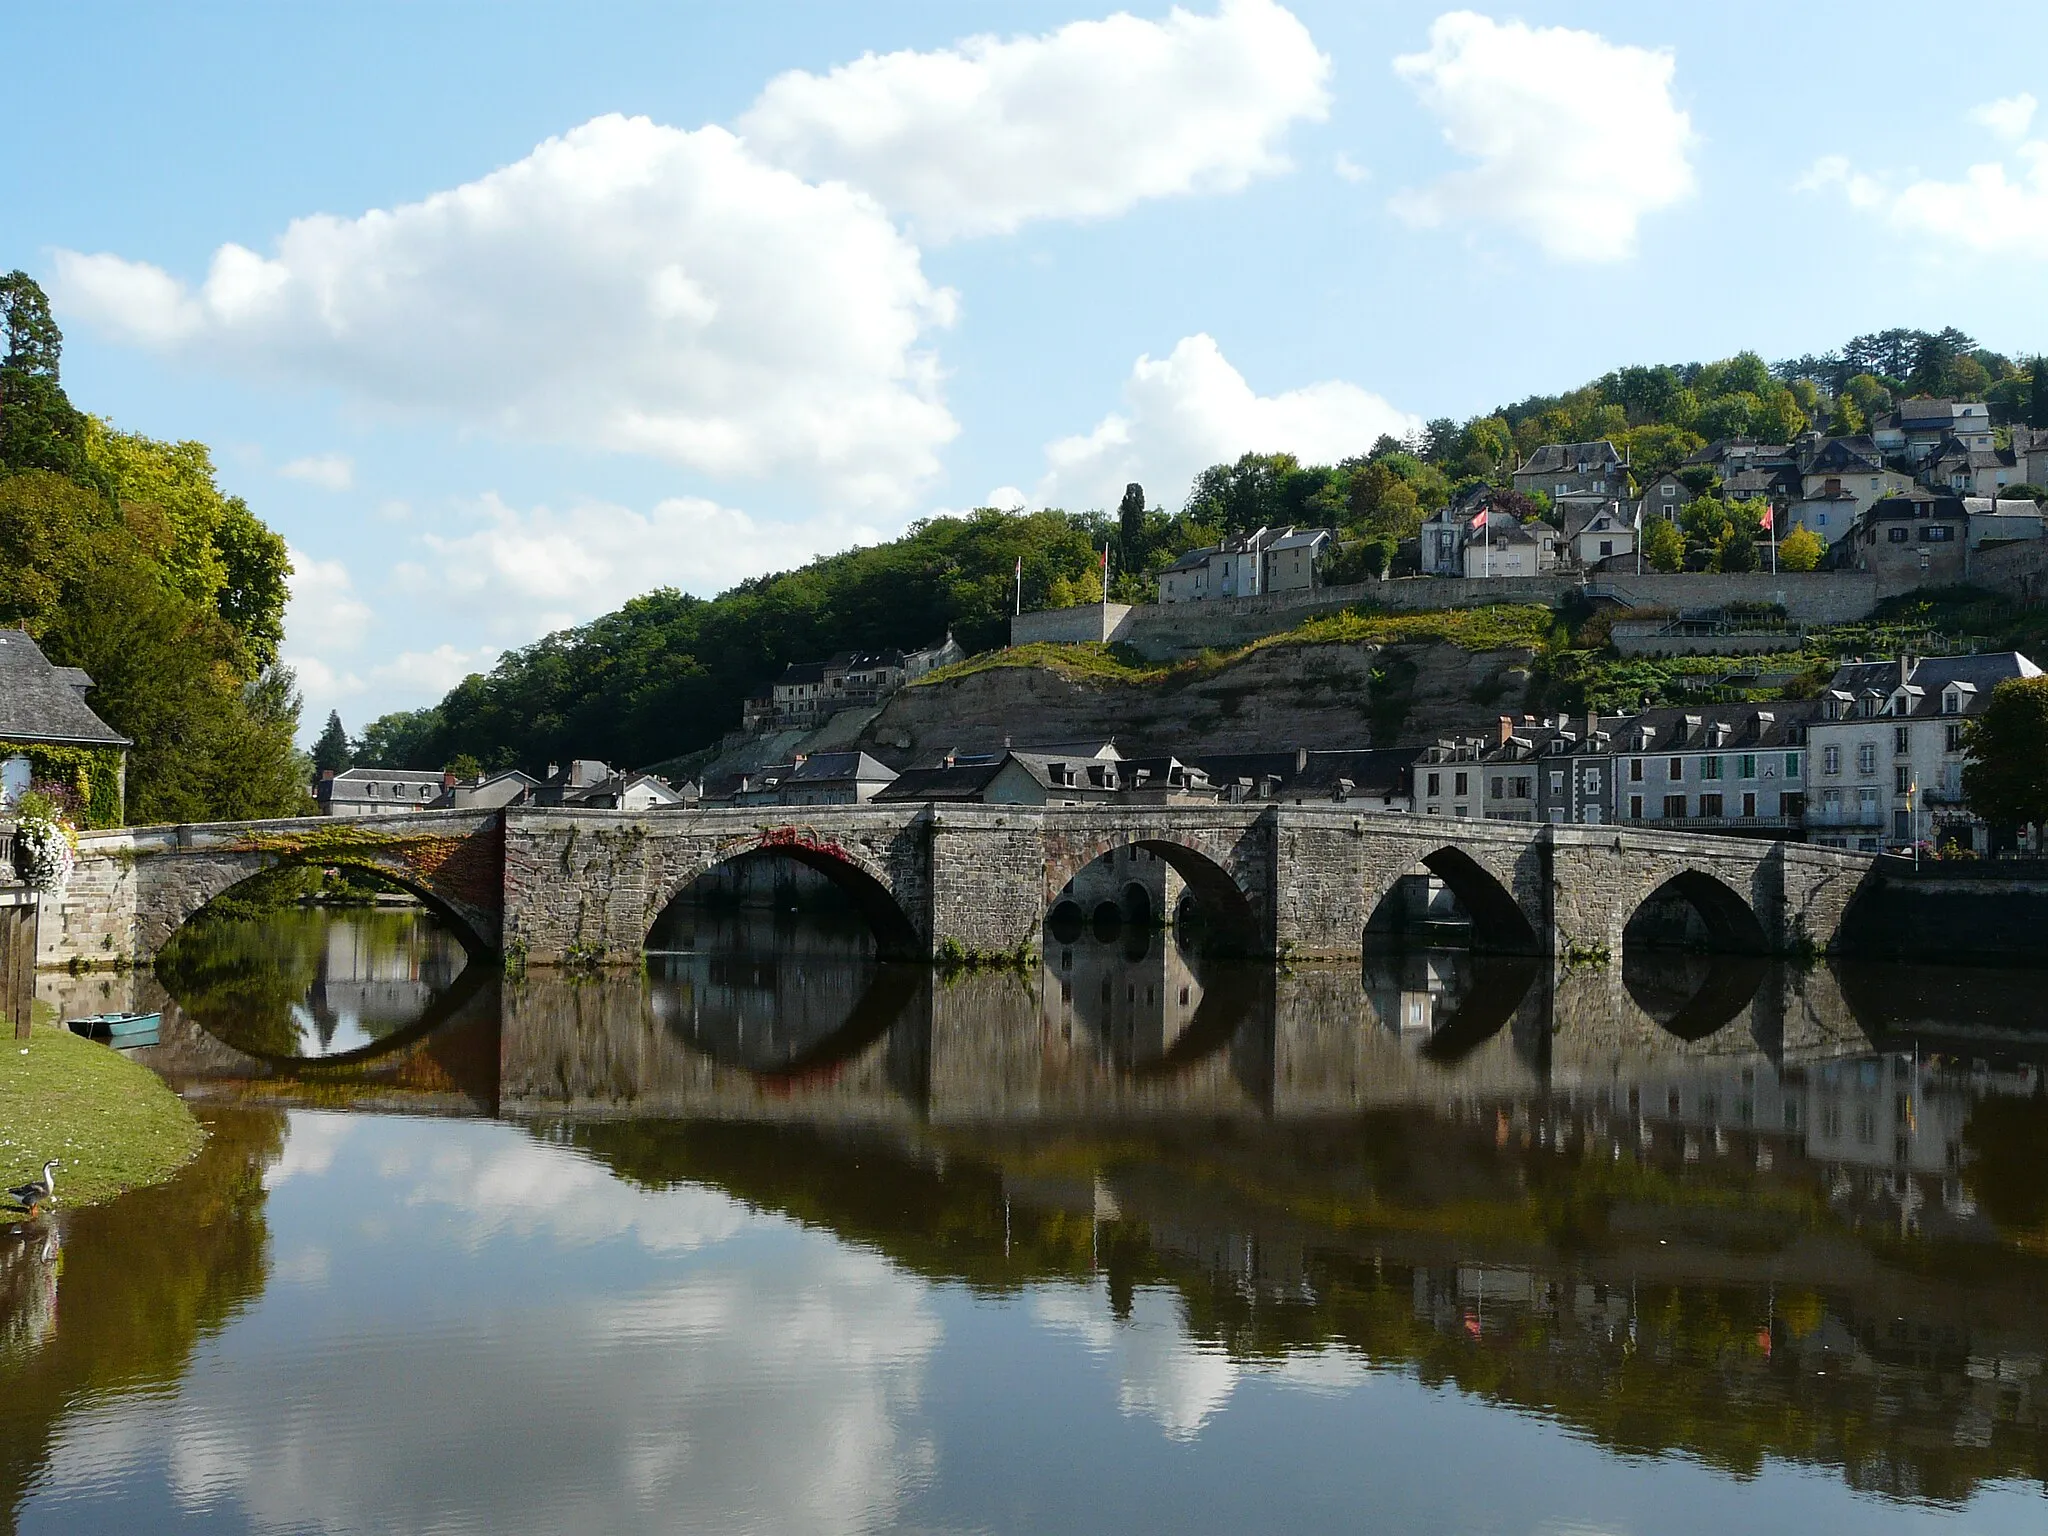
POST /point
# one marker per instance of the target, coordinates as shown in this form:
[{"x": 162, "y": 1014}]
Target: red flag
[
  {"x": 1480, "y": 520},
  {"x": 1769, "y": 513}
]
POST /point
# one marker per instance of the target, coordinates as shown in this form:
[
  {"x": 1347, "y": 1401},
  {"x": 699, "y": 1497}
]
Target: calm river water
[{"x": 775, "y": 1238}]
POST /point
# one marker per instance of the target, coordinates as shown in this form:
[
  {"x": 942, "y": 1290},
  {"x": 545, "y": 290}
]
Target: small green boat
[{"x": 120, "y": 1030}]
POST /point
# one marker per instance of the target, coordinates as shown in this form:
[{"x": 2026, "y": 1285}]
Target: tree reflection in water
[{"x": 1739, "y": 1211}]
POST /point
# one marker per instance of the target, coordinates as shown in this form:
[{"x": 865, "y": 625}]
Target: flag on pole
[
  {"x": 1769, "y": 520},
  {"x": 1479, "y": 521}
]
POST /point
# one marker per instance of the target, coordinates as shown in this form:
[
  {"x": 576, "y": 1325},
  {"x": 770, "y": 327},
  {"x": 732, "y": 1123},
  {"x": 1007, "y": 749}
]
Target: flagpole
[{"x": 1020, "y": 586}]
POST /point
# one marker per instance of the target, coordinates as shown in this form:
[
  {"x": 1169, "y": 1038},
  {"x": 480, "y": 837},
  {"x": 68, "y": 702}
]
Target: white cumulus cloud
[
  {"x": 1192, "y": 409},
  {"x": 1997, "y": 208},
  {"x": 1081, "y": 122},
  {"x": 626, "y": 286},
  {"x": 329, "y": 471},
  {"x": 324, "y": 611},
  {"x": 525, "y": 571},
  {"x": 2009, "y": 117},
  {"x": 1575, "y": 138}
]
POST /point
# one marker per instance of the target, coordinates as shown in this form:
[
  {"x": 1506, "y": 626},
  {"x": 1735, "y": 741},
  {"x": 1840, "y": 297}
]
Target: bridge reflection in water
[{"x": 1743, "y": 1211}]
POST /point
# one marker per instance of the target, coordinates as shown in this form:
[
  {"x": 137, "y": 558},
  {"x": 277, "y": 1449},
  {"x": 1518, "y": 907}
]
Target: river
[{"x": 774, "y": 1237}]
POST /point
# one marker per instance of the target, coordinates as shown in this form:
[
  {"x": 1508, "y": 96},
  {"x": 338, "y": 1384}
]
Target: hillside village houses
[
  {"x": 810, "y": 692},
  {"x": 1876, "y": 762},
  {"x": 1265, "y": 560}
]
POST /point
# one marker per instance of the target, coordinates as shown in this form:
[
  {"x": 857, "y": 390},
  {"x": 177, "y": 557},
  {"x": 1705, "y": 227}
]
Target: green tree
[
  {"x": 1246, "y": 495},
  {"x": 1737, "y": 550},
  {"x": 1800, "y": 550},
  {"x": 1868, "y": 394},
  {"x": 39, "y": 429},
  {"x": 1657, "y": 447},
  {"x": 465, "y": 768},
  {"x": 1848, "y": 419},
  {"x": 1130, "y": 526},
  {"x": 1663, "y": 546},
  {"x": 332, "y": 752},
  {"x": 403, "y": 739},
  {"x": 2005, "y": 772},
  {"x": 1729, "y": 415}
]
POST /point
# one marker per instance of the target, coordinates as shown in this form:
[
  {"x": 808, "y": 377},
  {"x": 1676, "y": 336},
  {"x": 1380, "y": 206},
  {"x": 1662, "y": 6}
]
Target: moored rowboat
[{"x": 120, "y": 1029}]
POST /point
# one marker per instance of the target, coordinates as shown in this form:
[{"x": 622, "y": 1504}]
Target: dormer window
[{"x": 1951, "y": 703}]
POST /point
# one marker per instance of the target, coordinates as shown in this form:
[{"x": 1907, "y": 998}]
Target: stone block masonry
[{"x": 556, "y": 887}]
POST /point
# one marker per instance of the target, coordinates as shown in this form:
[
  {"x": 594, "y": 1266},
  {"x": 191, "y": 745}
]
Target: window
[
  {"x": 1436, "y": 784},
  {"x": 1674, "y": 807},
  {"x": 1748, "y": 803},
  {"x": 1902, "y": 778},
  {"x": 1523, "y": 785},
  {"x": 1669, "y": 492},
  {"x": 1557, "y": 781},
  {"x": 1635, "y": 807},
  {"x": 1675, "y": 769},
  {"x": 1902, "y": 739},
  {"x": 1606, "y": 548},
  {"x": 1498, "y": 792},
  {"x": 1791, "y": 765},
  {"x": 1745, "y": 766},
  {"x": 1936, "y": 534},
  {"x": 1898, "y": 535},
  {"x": 1635, "y": 770},
  {"x": 1866, "y": 758},
  {"x": 1710, "y": 767},
  {"x": 1954, "y": 739},
  {"x": 1820, "y": 519},
  {"x": 1710, "y": 805},
  {"x": 1458, "y": 785},
  {"x": 1831, "y": 760}
]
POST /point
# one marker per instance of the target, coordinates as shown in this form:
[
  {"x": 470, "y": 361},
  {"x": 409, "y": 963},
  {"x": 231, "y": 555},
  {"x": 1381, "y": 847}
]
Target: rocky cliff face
[{"x": 1317, "y": 696}]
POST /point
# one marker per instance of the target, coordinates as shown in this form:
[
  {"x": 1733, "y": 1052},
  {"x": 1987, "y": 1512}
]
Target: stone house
[
  {"x": 1665, "y": 497},
  {"x": 1918, "y": 538},
  {"x": 1573, "y": 469},
  {"x": 43, "y": 714},
  {"x": 810, "y": 692},
  {"x": 822, "y": 778},
  {"x": 1604, "y": 531},
  {"x": 1888, "y": 750},
  {"x": 376, "y": 792},
  {"x": 1246, "y": 565}
]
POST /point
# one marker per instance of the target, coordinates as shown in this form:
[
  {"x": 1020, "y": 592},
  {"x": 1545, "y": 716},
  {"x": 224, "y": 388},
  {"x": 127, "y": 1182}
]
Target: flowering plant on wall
[{"x": 45, "y": 837}]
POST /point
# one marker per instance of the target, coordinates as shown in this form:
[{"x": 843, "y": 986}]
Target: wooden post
[{"x": 18, "y": 965}]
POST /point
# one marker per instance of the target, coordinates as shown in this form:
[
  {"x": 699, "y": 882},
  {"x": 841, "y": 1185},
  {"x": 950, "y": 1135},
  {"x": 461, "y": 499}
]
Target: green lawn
[{"x": 112, "y": 1121}]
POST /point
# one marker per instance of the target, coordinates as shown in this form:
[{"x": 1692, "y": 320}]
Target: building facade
[{"x": 1888, "y": 751}]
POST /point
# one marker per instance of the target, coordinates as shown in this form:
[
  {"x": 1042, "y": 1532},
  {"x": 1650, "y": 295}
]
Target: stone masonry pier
[{"x": 557, "y": 887}]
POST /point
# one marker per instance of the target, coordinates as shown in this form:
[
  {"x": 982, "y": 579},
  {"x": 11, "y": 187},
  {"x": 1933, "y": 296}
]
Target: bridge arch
[
  {"x": 201, "y": 880},
  {"x": 1721, "y": 918},
  {"x": 863, "y": 884},
  {"x": 1499, "y": 925},
  {"x": 1232, "y": 918}
]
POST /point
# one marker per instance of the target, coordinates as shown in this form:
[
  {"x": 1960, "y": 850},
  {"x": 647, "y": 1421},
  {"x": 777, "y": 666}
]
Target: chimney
[
  {"x": 1905, "y": 669},
  {"x": 1507, "y": 730},
  {"x": 1592, "y": 723},
  {"x": 448, "y": 779},
  {"x": 326, "y": 775},
  {"x": 553, "y": 769}
]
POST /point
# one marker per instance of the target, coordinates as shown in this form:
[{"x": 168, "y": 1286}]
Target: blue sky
[{"x": 787, "y": 277}]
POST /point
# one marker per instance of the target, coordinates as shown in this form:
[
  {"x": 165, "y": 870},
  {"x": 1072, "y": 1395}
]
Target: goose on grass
[{"x": 31, "y": 1196}]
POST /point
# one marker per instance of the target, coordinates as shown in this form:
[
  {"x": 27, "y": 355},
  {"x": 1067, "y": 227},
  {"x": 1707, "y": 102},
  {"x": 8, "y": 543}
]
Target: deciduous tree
[{"x": 2005, "y": 775}]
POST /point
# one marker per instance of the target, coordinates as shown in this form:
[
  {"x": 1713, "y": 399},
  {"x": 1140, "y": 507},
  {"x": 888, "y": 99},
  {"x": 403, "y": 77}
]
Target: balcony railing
[
  {"x": 1858, "y": 815},
  {"x": 8, "y": 873},
  {"x": 1717, "y": 823}
]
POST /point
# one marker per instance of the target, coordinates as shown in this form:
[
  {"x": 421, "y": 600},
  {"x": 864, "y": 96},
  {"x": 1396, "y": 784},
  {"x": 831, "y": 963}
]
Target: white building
[{"x": 1886, "y": 767}]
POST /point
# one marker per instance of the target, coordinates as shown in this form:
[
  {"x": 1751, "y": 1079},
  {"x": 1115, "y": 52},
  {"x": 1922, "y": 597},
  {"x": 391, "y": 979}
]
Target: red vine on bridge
[{"x": 800, "y": 837}]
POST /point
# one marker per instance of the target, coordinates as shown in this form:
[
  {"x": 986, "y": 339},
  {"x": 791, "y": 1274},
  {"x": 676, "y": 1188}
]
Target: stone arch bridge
[{"x": 565, "y": 887}]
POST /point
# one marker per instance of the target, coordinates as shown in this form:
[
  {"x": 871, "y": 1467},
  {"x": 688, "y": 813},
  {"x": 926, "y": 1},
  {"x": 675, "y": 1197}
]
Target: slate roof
[
  {"x": 1923, "y": 412},
  {"x": 1850, "y": 455},
  {"x": 1557, "y": 458},
  {"x": 839, "y": 768},
  {"x": 1930, "y": 676},
  {"x": 43, "y": 703},
  {"x": 802, "y": 672},
  {"x": 960, "y": 781},
  {"x": 1915, "y": 504},
  {"x": 1690, "y": 728}
]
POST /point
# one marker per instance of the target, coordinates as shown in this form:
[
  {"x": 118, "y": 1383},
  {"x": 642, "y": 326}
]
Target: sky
[{"x": 503, "y": 314}]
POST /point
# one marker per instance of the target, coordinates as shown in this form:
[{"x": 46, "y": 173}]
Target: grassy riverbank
[{"x": 112, "y": 1121}]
